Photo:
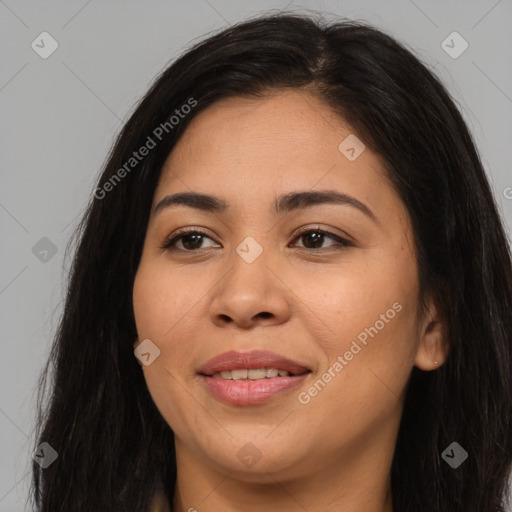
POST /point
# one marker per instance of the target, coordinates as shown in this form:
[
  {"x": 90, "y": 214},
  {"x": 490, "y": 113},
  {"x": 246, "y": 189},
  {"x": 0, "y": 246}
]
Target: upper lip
[{"x": 235, "y": 360}]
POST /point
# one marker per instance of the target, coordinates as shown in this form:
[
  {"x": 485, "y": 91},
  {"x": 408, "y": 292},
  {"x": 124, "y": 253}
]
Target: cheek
[
  {"x": 160, "y": 303},
  {"x": 161, "y": 300},
  {"x": 369, "y": 361},
  {"x": 370, "y": 309}
]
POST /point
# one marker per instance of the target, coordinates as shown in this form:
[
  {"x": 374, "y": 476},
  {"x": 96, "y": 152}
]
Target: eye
[
  {"x": 315, "y": 237},
  {"x": 190, "y": 239}
]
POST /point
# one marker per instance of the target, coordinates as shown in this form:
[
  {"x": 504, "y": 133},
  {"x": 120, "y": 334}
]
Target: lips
[
  {"x": 253, "y": 359},
  {"x": 281, "y": 376}
]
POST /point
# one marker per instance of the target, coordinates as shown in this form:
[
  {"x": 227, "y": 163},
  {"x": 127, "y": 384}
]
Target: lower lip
[{"x": 249, "y": 392}]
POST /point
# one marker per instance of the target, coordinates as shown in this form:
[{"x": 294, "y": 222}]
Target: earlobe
[{"x": 433, "y": 346}]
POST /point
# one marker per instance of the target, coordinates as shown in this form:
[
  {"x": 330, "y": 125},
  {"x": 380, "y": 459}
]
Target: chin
[{"x": 252, "y": 460}]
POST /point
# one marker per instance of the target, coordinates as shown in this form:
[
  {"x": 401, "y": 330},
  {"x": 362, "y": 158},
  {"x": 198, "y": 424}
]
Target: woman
[{"x": 295, "y": 241}]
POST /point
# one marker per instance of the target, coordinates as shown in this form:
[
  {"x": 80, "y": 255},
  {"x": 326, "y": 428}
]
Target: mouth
[
  {"x": 247, "y": 378},
  {"x": 254, "y": 374},
  {"x": 251, "y": 365}
]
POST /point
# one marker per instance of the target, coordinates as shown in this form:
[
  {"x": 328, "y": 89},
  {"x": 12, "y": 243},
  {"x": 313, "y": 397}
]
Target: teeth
[
  {"x": 252, "y": 374},
  {"x": 239, "y": 374}
]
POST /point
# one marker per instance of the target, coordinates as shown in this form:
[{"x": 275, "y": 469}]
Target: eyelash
[{"x": 169, "y": 242}]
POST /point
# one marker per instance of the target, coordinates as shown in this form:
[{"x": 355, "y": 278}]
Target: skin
[{"x": 306, "y": 303}]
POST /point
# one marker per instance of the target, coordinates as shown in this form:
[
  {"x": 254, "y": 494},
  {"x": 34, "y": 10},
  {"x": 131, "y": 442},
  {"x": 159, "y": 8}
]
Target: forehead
[
  {"x": 280, "y": 127},
  {"x": 289, "y": 133},
  {"x": 249, "y": 151}
]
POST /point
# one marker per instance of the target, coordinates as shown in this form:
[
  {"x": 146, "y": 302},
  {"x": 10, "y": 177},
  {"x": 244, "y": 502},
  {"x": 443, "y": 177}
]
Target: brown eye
[
  {"x": 314, "y": 239},
  {"x": 191, "y": 241}
]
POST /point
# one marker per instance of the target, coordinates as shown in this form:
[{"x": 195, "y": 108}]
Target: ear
[{"x": 433, "y": 347}]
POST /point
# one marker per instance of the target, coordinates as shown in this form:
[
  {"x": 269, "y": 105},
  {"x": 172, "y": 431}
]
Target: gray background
[{"x": 60, "y": 114}]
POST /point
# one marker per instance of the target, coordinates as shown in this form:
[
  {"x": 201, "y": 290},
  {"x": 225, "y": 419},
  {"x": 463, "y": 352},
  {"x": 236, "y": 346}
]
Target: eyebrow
[{"x": 286, "y": 203}]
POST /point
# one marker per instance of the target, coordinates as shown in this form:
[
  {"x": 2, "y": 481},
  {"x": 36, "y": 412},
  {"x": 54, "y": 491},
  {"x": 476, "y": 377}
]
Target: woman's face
[{"x": 338, "y": 302}]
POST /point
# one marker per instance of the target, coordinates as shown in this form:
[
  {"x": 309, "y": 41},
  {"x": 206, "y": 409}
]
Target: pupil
[
  {"x": 195, "y": 244},
  {"x": 316, "y": 238}
]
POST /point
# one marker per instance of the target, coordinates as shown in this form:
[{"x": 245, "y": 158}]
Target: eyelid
[
  {"x": 169, "y": 240},
  {"x": 326, "y": 231},
  {"x": 342, "y": 240}
]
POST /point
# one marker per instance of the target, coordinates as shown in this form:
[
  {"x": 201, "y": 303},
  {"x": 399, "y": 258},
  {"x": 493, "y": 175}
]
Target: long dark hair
[{"x": 114, "y": 447}]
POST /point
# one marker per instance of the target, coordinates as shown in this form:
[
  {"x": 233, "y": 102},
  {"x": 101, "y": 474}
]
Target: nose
[{"x": 249, "y": 295}]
